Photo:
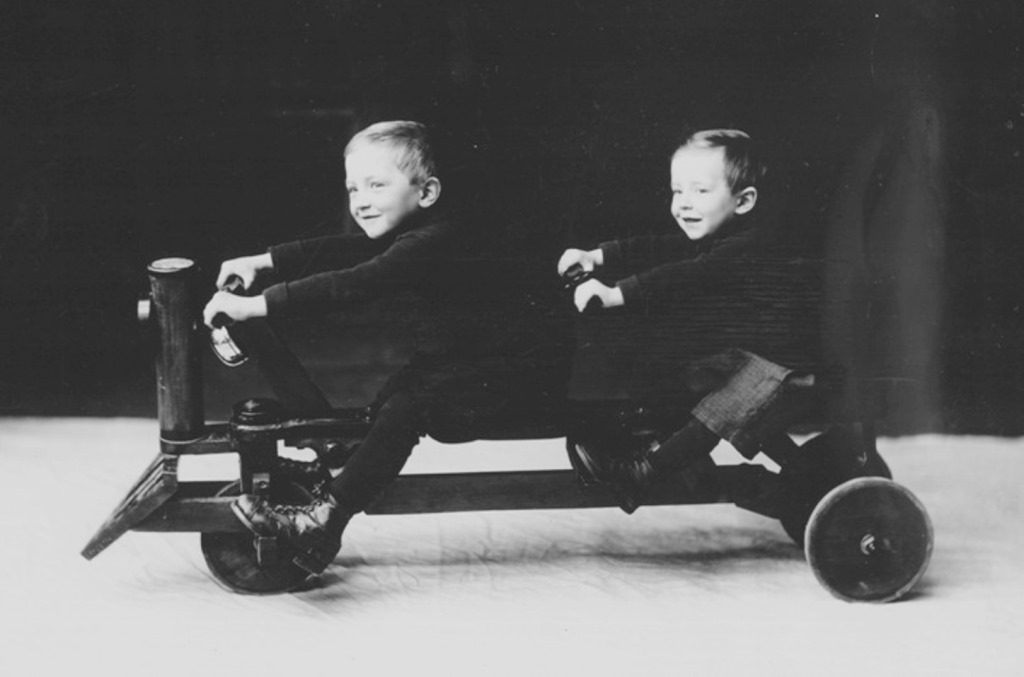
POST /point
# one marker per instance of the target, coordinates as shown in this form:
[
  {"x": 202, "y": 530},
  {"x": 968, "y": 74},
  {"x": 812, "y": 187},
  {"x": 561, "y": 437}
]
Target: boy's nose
[
  {"x": 358, "y": 201},
  {"x": 683, "y": 201}
]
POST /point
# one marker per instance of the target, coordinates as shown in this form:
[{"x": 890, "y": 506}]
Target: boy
[
  {"x": 712, "y": 277},
  {"x": 474, "y": 360}
]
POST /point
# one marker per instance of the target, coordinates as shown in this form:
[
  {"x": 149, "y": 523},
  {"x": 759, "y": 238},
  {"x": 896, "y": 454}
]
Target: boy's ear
[
  {"x": 430, "y": 191},
  {"x": 745, "y": 200}
]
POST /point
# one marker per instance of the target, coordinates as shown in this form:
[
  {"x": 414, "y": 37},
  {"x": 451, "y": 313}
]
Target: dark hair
[
  {"x": 411, "y": 142},
  {"x": 743, "y": 166}
]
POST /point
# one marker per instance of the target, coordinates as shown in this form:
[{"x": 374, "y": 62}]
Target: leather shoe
[
  {"x": 309, "y": 474},
  {"x": 314, "y": 530},
  {"x": 629, "y": 478}
]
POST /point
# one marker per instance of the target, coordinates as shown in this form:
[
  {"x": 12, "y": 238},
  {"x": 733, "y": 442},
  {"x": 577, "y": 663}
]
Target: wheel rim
[
  {"x": 869, "y": 540},
  {"x": 232, "y": 558}
]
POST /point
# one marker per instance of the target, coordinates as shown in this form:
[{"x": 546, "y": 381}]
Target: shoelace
[{"x": 289, "y": 509}]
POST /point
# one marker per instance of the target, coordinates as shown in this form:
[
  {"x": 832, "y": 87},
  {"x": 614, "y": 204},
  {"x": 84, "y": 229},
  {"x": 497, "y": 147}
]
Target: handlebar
[
  {"x": 224, "y": 347},
  {"x": 233, "y": 284},
  {"x": 573, "y": 277}
]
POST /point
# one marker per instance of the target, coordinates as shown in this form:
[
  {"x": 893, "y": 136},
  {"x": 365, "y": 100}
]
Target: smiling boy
[
  {"x": 714, "y": 182},
  {"x": 479, "y": 349},
  {"x": 390, "y": 181},
  {"x": 722, "y": 291}
]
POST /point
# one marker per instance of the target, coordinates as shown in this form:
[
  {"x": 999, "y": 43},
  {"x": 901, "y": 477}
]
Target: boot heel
[{"x": 587, "y": 475}]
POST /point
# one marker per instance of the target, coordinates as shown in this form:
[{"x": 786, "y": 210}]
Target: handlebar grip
[
  {"x": 221, "y": 320},
  {"x": 233, "y": 285},
  {"x": 574, "y": 276}
]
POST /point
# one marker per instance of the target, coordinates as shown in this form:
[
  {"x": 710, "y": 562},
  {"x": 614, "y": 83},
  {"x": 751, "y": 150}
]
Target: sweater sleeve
[
  {"x": 400, "y": 266},
  {"x": 670, "y": 279},
  {"x": 695, "y": 274},
  {"x": 297, "y": 259},
  {"x": 630, "y": 255}
]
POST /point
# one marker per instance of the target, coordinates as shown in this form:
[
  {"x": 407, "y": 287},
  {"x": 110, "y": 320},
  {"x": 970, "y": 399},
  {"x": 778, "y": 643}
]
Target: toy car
[{"x": 866, "y": 537}]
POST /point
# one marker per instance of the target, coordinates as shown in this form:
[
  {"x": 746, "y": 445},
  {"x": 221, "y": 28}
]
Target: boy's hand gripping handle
[
  {"x": 233, "y": 285},
  {"x": 573, "y": 277},
  {"x": 224, "y": 347}
]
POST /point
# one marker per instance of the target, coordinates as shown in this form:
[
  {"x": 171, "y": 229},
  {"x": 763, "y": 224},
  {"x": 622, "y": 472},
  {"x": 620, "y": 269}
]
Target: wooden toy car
[{"x": 866, "y": 537}]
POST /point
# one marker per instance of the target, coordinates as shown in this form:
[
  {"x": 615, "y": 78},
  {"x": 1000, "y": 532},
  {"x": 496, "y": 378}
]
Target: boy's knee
[{"x": 401, "y": 407}]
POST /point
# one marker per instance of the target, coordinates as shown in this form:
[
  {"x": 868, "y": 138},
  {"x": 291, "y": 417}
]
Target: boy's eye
[
  {"x": 350, "y": 189},
  {"x": 376, "y": 184}
]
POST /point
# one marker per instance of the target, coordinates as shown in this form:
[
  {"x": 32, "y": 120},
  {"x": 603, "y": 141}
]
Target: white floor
[{"x": 709, "y": 590}]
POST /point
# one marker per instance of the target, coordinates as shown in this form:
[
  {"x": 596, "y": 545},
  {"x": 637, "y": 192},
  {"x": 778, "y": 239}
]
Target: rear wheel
[{"x": 869, "y": 540}]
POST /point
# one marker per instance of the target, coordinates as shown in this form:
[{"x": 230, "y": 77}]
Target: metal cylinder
[{"x": 179, "y": 380}]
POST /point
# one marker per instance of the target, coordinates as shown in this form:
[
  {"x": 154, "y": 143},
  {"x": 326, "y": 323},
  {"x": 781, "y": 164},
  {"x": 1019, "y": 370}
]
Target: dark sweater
[
  {"x": 470, "y": 300},
  {"x": 686, "y": 301},
  {"x": 658, "y": 267}
]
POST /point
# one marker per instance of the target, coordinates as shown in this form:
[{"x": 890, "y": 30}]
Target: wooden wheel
[
  {"x": 868, "y": 540},
  {"x": 233, "y": 559}
]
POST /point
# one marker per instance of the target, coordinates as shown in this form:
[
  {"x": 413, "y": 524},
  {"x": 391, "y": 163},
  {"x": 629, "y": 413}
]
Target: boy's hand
[
  {"x": 236, "y": 308},
  {"x": 610, "y": 297},
  {"x": 587, "y": 260},
  {"x": 245, "y": 268}
]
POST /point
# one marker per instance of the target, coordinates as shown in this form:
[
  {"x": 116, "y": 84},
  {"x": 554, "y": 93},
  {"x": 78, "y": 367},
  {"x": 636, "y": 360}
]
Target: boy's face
[
  {"x": 702, "y": 201},
  {"x": 380, "y": 195}
]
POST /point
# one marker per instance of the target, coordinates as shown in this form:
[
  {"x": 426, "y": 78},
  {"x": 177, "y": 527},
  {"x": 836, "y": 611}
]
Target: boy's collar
[
  {"x": 416, "y": 220},
  {"x": 735, "y": 225},
  {"x": 730, "y": 228}
]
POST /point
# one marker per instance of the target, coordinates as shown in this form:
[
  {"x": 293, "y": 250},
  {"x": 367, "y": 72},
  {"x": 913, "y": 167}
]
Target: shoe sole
[
  {"x": 586, "y": 472},
  {"x": 589, "y": 476}
]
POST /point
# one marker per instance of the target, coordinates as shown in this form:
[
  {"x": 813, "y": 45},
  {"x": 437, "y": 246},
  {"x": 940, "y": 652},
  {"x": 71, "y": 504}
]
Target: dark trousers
[
  {"x": 453, "y": 401},
  {"x": 397, "y": 429}
]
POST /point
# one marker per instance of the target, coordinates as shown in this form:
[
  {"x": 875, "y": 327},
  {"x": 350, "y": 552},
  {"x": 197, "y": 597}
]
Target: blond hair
[
  {"x": 414, "y": 153},
  {"x": 743, "y": 166}
]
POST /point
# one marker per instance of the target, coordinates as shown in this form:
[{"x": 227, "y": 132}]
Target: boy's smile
[
  {"x": 702, "y": 200},
  {"x": 380, "y": 195}
]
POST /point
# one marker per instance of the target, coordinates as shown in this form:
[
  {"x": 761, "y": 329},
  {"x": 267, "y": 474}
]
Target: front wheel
[{"x": 236, "y": 563}]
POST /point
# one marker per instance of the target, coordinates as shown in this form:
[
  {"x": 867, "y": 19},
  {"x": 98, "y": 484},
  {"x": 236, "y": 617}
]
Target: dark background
[{"x": 130, "y": 131}]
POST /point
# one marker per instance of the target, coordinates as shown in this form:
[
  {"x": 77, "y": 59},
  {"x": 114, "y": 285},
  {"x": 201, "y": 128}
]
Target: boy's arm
[
  {"x": 400, "y": 266},
  {"x": 622, "y": 257},
  {"x": 707, "y": 270},
  {"x": 293, "y": 260},
  {"x": 670, "y": 279},
  {"x": 286, "y": 261}
]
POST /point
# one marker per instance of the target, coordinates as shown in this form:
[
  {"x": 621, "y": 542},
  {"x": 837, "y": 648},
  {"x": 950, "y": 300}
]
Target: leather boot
[
  {"x": 309, "y": 474},
  {"x": 631, "y": 478},
  {"x": 314, "y": 530},
  {"x": 314, "y": 475}
]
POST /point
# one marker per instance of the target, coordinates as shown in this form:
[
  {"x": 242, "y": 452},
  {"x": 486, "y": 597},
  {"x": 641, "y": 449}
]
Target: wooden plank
[
  {"x": 535, "y": 490},
  {"x": 206, "y": 515},
  {"x": 195, "y": 508}
]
